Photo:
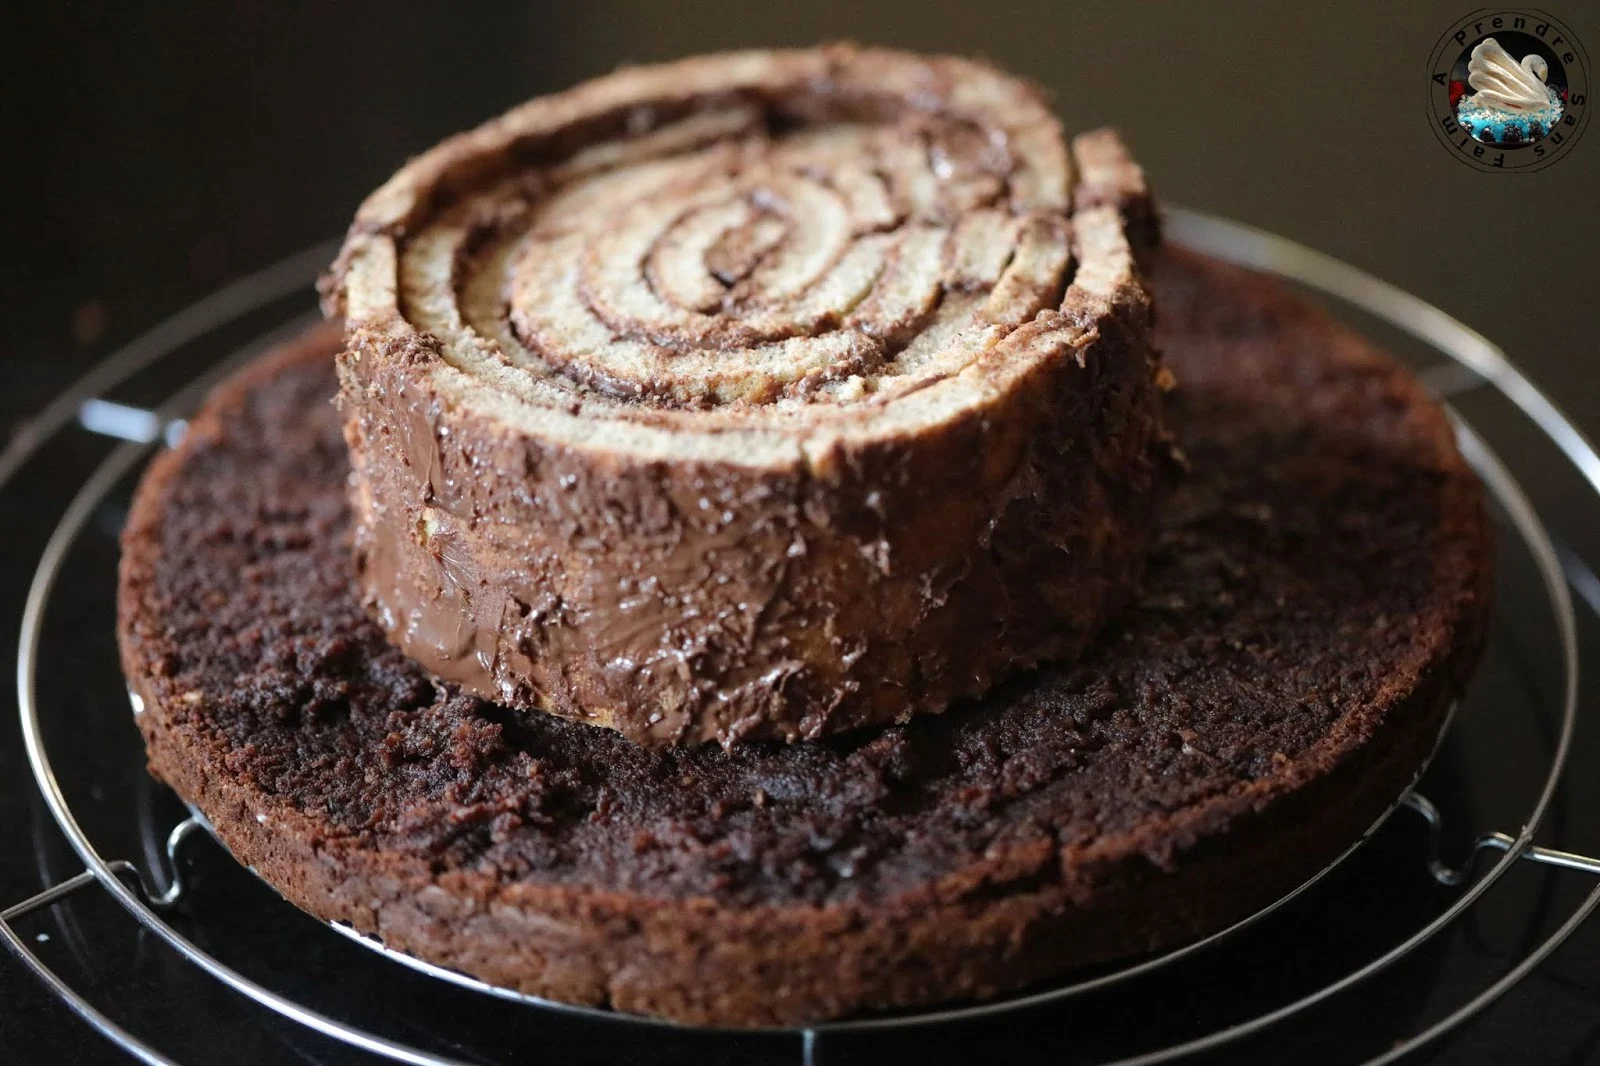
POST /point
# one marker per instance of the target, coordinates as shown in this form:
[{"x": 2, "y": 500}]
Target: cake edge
[{"x": 969, "y": 935}]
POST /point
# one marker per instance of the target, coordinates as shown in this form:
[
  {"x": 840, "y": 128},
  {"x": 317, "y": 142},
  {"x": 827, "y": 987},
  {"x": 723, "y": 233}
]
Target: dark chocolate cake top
[{"x": 1324, "y": 558}]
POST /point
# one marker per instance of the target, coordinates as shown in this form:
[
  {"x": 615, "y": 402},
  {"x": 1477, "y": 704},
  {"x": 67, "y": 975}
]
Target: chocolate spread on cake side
[{"x": 757, "y": 396}]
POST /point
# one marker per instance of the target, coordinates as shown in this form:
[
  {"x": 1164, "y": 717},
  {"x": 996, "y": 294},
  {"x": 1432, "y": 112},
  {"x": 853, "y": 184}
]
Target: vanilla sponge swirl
[{"x": 756, "y": 395}]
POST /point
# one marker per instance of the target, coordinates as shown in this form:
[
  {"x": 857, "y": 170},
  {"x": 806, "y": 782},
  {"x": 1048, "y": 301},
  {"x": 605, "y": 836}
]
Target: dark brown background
[{"x": 162, "y": 149}]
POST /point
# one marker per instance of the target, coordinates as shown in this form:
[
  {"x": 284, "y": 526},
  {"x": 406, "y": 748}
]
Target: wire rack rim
[
  {"x": 1215, "y": 236},
  {"x": 1506, "y": 491},
  {"x": 934, "y": 1016},
  {"x": 115, "y": 466},
  {"x": 249, "y": 293}
]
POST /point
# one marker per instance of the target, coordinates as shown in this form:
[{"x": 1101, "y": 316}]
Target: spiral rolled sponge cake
[{"x": 756, "y": 396}]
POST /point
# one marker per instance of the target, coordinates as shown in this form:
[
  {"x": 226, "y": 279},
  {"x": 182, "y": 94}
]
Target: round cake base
[{"x": 1316, "y": 597}]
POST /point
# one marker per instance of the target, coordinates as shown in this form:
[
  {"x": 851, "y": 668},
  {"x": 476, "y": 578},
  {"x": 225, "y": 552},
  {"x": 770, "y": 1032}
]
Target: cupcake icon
[{"x": 1511, "y": 102}]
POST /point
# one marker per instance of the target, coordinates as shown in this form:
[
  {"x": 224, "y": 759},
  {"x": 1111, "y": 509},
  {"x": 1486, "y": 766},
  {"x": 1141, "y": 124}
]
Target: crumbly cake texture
[
  {"x": 1317, "y": 594},
  {"x": 758, "y": 395}
]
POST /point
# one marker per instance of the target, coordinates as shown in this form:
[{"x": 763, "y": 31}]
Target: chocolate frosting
[{"x": 757, "y": 395}]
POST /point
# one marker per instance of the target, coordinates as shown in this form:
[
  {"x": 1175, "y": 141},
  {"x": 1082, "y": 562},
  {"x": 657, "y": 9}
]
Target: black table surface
[{"x": 161, "y": 151}]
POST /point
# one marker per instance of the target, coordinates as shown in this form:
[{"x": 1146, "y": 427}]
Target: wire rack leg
[
  {"x": 58, "y": 987},
  {"x": 170, "y": 896},
  {"x": 162, "y": 900},
  {"x": 1567, "y": 860},
  {"x": 1454, "y": 876},
  {"x": 48, "y": 896},
  {"x": 1445, "y": 874}
]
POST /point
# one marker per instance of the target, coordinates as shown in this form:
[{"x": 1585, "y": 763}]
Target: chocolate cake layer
[
  {"x": 1317, "y": 595},
  {"x": 760, "y": 395}
]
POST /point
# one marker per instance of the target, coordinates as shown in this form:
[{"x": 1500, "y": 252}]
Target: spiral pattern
[
  {"x": 793, "y": 230},
  {"x": 762, "y": 394},
  {"x": 763, "y": 269}
]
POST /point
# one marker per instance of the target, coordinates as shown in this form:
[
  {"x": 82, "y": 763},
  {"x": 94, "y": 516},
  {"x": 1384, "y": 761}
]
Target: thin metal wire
[
  {"x": 116, "y": 466},
  {"x": 112, "y": 470},
  {"x": 168, "y": 897},
  {"x": 1510, "y": 979},
  {"x": 1580, "y": 577},
  {"x": 1453, "y": 876},
  {"x": 1442, "y": 872},
  {"x": 111, "y": 419},
  {"x": 1252, "y": 247},
  {"x": 1449, "y": 380},
  {"x": 1568, "y": 860},
  {"x": 249, "y": 293},
  {"x": 77, "y": 1003},
  {"x": 1219, "y": 238},
  {"x": 1055, "y": 994},
  {"x": 48, "y": 896},
  {"x": 1526, "y": 521}
]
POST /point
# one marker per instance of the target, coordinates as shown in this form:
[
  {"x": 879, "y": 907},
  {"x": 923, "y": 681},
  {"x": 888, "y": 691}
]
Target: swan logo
[{"x": 1508, "y": 90}]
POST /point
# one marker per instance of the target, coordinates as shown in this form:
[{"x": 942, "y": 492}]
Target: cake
[
  {"x": 764, "y": 395},
  {"x": 1315, "y": 595}
]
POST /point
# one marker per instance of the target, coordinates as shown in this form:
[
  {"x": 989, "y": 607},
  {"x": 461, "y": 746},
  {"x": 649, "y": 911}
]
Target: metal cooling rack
[{"x": 153, "y": 891}]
